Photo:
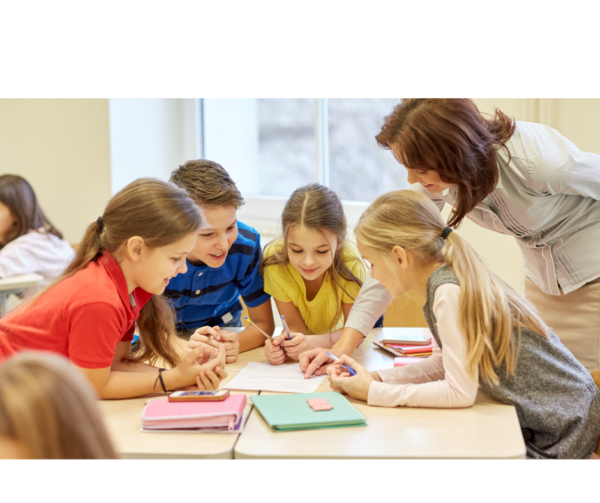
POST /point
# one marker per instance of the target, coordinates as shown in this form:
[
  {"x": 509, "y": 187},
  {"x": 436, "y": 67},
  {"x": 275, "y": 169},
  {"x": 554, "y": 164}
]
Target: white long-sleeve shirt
[
  {"x": 547, "y": 198},
  {"x": 35, "y": 252},
  {"x": 439, "y": 381}
]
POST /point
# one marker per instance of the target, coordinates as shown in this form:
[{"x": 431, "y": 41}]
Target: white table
[
  {"x": 123, "y": 419},
  {"x": 488, "y": 429}
]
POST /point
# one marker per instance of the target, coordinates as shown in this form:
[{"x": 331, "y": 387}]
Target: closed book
[
  {"x": 400, "y": 361},
  {"x": 397, "y": 351},
  {"x": 164, "y": 415},
  {"x": 292, "y": 412},
  {"x": 418, "y": 336},
  {"x": 408, "y": 349}
]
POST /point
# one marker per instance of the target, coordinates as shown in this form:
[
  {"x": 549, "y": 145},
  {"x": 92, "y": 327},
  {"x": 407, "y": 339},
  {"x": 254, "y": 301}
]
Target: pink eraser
[
  {"x": 319, "y": 407},
  {"x": 316, "y": 401}
]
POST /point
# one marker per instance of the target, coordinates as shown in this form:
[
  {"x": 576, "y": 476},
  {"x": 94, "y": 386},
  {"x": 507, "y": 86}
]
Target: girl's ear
[
  {"x": 134, "y": 248},
  {"x": 400, "y": 256}
]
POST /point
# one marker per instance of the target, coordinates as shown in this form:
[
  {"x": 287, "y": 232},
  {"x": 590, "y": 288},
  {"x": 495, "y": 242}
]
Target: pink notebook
[
  {"x": 400, "y": 361},
  {"x": 164, "y": 415}
]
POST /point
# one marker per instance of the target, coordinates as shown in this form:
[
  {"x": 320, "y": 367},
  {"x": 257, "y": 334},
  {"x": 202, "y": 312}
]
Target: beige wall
[{"x": 62, "y": 148}]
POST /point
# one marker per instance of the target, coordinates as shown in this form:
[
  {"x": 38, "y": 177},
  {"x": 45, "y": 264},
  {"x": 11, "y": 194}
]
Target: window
[{"x": 273, "y": 146}]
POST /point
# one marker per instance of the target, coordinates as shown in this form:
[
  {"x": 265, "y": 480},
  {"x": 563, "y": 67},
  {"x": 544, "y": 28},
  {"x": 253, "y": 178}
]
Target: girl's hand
[
  {"x": 208, "y": 380},
  {"x": 341, "y": 381},
  {"x": 196, "y": 361},
  {"x": 297, "y": 345},
  {"x": 232, "y": 345},
  {"x": 275, "y": 355},
  {"x": 205, "y": 335}
]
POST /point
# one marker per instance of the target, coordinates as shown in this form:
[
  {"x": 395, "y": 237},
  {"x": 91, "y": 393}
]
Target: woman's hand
[
  {"x": 273, "y": 352},
  {"x": 232, "y": 345},
  {"x": 356, "y": 386},
  {"x": 298, "y": 344}
]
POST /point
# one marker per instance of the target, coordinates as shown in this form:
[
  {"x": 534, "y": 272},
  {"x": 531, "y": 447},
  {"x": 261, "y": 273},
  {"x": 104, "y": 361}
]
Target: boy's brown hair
[{"x": 207, "y": 183}]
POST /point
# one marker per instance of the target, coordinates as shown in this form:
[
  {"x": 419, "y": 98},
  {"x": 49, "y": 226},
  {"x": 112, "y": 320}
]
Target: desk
[
  {"x": 489, "y": 429},
  {"x": 16, "y": 284},
  {"x": 123, "y": 419}
]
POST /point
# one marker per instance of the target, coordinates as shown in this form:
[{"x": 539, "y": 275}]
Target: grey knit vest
[{"x": 557, "y": 402}]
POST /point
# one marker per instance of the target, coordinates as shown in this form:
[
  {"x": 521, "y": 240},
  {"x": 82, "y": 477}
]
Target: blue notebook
[{"x": 292, "y": 412}]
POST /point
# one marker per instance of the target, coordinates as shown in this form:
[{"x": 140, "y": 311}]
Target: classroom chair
[{"x": 596, "y": 376}]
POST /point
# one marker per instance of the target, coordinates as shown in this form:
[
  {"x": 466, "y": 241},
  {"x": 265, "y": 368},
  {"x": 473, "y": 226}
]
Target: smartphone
[{"x": 198, "y": 396}]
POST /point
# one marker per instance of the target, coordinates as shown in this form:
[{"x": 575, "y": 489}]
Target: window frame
[{"x": 263, "y": 211}]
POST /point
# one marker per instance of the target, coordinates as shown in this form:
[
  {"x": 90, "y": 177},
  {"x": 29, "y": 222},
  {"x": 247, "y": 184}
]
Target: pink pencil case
[{"x": 164, "y": 415}]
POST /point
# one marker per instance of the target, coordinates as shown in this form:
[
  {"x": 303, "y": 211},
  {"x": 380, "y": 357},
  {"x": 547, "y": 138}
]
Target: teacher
[{"x": 516, "y": 178}]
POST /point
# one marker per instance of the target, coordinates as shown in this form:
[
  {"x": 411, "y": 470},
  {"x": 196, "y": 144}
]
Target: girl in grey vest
[{"x": 486, "y": 334}]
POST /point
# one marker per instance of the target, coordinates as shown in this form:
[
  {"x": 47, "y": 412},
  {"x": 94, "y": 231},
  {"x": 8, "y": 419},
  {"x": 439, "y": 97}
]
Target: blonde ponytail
[{"x": 489, "y": 309}]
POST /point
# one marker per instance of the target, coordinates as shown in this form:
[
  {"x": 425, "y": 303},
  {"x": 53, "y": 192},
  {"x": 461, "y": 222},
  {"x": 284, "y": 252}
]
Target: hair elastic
[
  {"x": 162, "y": 383},
  {"x": 446, "y": 231},
  {"x": 100, "y": 222}
]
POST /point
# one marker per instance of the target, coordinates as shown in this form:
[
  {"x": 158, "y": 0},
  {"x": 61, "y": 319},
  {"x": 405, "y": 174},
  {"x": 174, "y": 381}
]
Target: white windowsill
[{"x": 264, "y": 213}]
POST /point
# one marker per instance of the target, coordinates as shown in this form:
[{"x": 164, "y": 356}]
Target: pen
[
  {"x": 259, "y": 329},
  {"x": 335, "y": 359},
  {"x": 285, "y": 326}
]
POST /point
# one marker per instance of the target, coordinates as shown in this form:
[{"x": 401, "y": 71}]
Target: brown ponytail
[
  {"x": 489, "y": 308},
  {"x": 451, "y": 137},
  {"x": 160, "y": 213}
]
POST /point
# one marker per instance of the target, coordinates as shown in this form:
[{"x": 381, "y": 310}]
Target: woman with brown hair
[
  {"x": 29, "y": 243},
  {"x": 48, "y": 411},
  {"x": 115, "y": 281},
  {"x": 516, "y": 178}
]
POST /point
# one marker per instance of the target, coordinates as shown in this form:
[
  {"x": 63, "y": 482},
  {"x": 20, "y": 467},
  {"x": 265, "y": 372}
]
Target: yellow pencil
[{"x": 259, "y": 329}]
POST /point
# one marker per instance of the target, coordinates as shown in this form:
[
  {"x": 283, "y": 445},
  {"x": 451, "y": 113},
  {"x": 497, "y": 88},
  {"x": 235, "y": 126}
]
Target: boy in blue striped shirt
[{"x": 222, "y": 266}]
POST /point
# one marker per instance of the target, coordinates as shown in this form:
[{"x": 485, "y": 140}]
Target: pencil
[{"x": 259, "y": 329}]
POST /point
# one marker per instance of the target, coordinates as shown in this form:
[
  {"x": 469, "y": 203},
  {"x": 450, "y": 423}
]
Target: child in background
[
  {"x": 29, "y": 243},
  {"x": 222, "y": 266},
  {"x": 49, "y": 411},
  {"x": 485, "y": 333},
  {"x": 121, "y": 268},
  {"x": 313, "y": 273}
]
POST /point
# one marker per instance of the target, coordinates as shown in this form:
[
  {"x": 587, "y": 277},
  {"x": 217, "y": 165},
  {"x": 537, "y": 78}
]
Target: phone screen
[{"x": 200, "y": 393}]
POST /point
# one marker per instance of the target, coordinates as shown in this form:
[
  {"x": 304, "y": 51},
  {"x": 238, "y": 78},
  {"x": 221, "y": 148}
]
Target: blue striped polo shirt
[{"x": 203, "y": 295}]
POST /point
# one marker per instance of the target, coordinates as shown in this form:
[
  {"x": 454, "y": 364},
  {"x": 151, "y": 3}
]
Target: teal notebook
[{"x": 292, "y": 412}]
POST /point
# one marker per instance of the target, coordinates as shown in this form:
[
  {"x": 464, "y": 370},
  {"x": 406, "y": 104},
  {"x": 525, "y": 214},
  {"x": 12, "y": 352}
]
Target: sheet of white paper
[{"x": 287, "y": 378}]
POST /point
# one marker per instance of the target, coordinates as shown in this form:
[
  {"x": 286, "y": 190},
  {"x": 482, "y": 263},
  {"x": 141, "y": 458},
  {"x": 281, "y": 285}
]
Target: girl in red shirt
[{"x": 116, "y": 279}]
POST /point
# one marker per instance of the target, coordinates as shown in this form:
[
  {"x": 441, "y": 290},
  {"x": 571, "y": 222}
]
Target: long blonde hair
[
  {"x": 160, "y": 213},
  {"x": 489, "y": 309},
  {"x": 317, "y": 208},
  {"x": 49, "y": 408}
]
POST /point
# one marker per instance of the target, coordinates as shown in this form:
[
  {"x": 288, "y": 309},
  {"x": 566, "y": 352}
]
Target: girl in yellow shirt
[{"x": 312, "y": 272}]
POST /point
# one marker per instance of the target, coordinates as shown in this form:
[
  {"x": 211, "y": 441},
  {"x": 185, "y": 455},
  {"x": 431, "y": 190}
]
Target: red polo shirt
[{"x": 83, "y": 317}]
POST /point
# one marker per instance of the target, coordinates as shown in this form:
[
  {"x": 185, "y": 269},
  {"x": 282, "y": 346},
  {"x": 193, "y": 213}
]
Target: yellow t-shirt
[{"x": 285, "y": 284}]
